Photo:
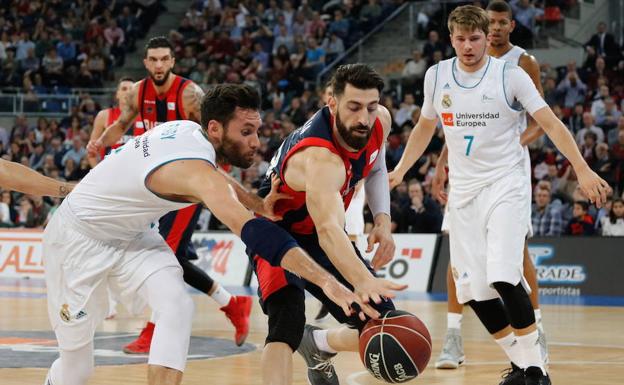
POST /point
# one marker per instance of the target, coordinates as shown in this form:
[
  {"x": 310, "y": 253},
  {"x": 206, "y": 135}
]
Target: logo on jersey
[
  {"x": 447, "y": 119},
  {"x": 64, "y": 313},
  {"x": 446, "y": 101},
  {"x": 486, "y": 99},
  {"x": 373, "y": 157},
  {"x": 171, "y": 106},
  {"x": 446, "y": 87}
]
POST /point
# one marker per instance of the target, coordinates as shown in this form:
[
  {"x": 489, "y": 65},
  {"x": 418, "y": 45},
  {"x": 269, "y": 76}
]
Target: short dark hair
[
  {"x": 126, "y": 79},
  {"x": 158, "y": 42},
  {"x": 500, "y": 6},
  {"x": 584, "y": 205},
  {"x": 360, "y": 76},
  {"x": 220, "y": 102}
]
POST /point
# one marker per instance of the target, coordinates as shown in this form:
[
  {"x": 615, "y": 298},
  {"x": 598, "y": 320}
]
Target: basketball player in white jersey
[
  {"x": 501, "y": 26},
  {"x": 477, "y": 98},
  {"x": 17, "y": 177},
  {"x": 102, "y": 235}
]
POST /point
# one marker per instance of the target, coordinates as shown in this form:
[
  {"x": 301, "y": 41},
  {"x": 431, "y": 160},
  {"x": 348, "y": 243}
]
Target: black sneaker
[
  {"x": 534, "y": 376},
  {"x": 513, "y": 376}
]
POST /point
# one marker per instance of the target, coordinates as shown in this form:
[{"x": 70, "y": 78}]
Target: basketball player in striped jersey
[
  {"x": 161, "y": 97},
  {"x": 108, "y": 116},
  {"x": 499, "y": 46},
  {"x": 17, "y": 177},
  {"x": 481, "y": 101}
]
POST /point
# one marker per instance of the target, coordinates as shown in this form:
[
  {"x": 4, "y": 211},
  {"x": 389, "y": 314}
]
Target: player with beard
[
  {"x": 162, "y": 97},
  {"x": 102, "y": 235},
  {"x": 499, "y": 46},
  {"x": 319, "y": 166}
]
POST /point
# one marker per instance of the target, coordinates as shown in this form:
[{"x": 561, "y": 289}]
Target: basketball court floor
[{"x": 586, "y": 345}]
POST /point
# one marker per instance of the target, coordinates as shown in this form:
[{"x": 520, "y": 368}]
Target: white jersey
[
  {"x": 482, "y": 127},
  {"x": 113, "y": 200}
]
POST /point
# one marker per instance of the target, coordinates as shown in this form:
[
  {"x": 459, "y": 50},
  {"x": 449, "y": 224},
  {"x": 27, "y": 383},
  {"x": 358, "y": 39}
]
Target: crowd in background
[
  {"x": 281, "y": 47},
  {"x": 48, "y": 46}
]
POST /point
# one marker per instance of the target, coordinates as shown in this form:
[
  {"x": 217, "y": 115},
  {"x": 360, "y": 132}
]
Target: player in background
[
  {"x": 102, "y": 235},
  {"x": 319, "y": 165},
  {"x": 161, "y": 97},
  {"x": 499, "y": 46},
  {"x": 477, "y": 98},
  {"x": 17, "y": 177},
  {"x": 108, "y": 116}
]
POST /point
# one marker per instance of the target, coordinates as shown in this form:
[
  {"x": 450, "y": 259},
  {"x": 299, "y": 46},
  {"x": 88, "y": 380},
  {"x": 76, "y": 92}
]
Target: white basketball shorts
[
  {"x": 80, "y": 268},
  {"x": 487, "y": 238}
]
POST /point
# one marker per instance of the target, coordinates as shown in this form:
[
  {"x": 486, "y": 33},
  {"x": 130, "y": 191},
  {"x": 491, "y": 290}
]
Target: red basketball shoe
[
  {"x": 238, "y": 311},
  {"x": 142, "y": 344}
]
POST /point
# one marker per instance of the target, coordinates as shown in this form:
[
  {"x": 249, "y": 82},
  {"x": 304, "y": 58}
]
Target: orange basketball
[{"x": 396, "y": 347}]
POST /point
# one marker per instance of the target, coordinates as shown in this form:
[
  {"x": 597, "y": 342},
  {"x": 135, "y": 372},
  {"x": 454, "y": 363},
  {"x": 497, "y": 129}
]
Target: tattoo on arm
[
  {"x": 63, "y": 190},
  {"x": 129, "y": 113},
  {"x": 192, "y": 98}
]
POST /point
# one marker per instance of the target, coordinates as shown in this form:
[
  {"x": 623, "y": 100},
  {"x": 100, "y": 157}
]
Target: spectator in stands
[
  {"x": 604, "y": 44},
  {"x": 405, "y": 110},
  {"x": 574, "y": 121},
  {"x": 37, "y": 157},
  {"x": 30, "y": 63},
  {"x": 603, "y": 165},
  {"x": 24, "y": 211},
  {"x": 572, "y": 88},
  {"x": 613, "y": 225},
  {"x": 432, "y": 45},
  {"x": 5, "y": 209},
  {"x": 546, "y": 218},
  {"x": 422, "y": 214},
  {"x": 23, "y": 45},
  {"x": 52, "y": 68},
  {"x": 283, "y": 38},
  {"x": 66, "y": 49},
  {"x": 39, "y": 211},
  {"x": 315, "y": 58},
  {"x": 115, "y": 39},
  {"x": 370, "y": 14},
  {"x": 588, "y": 126},
  {"x": 525, "y": 12},
  {"x": 317, "y": 26},
  {"x": 76, "y": 153},
  {"x": 607, "y": 118},
  {"x": 333, "y": 46},
  {"x": 581, "y": 223},
  {"x": 340, "y": 25}
]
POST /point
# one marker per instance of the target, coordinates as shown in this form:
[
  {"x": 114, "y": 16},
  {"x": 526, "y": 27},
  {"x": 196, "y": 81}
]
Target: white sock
[
  {"x": 538, "y": 316},
  {"x": 221, "y": 296},
  {"x": 531, "y": 354},
  {"x": 512, "y": 349},
  {"x": 453, "y": 320},
  {"x": 320, "y": 339}
]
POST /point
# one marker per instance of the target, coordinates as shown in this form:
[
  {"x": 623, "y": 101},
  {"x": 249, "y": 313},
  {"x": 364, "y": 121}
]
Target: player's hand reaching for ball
[
  {"x": 346, "y": 299},
  {"x": 376, "y": 289},
  {"x": 594, "y": 187}
]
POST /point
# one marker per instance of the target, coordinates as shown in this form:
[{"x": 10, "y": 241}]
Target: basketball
[{"x": 396, "y": 347}]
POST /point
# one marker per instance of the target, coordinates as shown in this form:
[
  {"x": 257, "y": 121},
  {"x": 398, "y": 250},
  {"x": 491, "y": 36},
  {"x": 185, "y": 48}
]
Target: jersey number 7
[{"x": 470, "y": 139}]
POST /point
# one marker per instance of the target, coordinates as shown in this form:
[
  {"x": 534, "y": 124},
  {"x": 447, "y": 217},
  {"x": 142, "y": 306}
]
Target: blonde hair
[{"x": 469, "y": 18}]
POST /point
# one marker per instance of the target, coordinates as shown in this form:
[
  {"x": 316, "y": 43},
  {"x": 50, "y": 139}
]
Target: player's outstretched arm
[
  {"x": 115, "y": 131},
  {"x": 14, "y": 176},
  {"x": 324, "y": 175},
  {"x": 594, "y": 187},
  {"x": 198, "y": 181},
  {"x": 418, "y": 141}
]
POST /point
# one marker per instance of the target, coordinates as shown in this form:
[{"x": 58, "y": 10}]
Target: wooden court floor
[{"x": 586, "y": 347}]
